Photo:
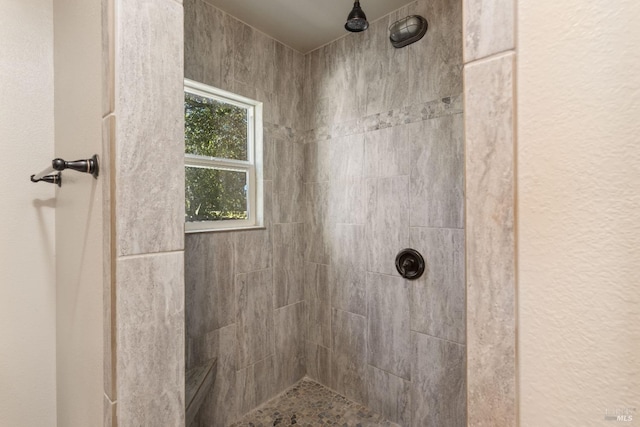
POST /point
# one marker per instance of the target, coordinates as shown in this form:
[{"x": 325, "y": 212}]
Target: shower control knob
[{"x": 410, "y": 264}]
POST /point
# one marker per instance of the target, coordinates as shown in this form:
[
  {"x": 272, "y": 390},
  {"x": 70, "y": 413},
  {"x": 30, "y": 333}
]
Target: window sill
[{"x": 222, "y": 230}]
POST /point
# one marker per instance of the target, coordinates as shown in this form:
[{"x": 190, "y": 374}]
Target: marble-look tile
[
  {"x": 288, "y": 186},
  {"x": 347, "y": 201},
  {"x": 316, "y": 282},
  {"x": 226, "y": 61},
  {"x": 108, "y": 259},
  {"x": 438, "y": 392},
  {"x": 226, "y": 342},
  {"x": 372, "y": 64},
  {"x": 346, "y": 128},
  {"x": 209, "y": 282},
  {"x": 438, "y": 297},
  {"x": 296, "y": 117},
  {"x": 388, "y": 93},
  {"x": 348, "y": 269},
  {"x": 316, "y": 225},
  {"x": 109, "y": 412},
  {"x": 378, "y": 58},
  {"x": 489, "y": 27},
  {"x": 317, "y": 161},
  {"x": 348, "y": 355},
  {"x": 288, "y": 263},
  {"x": 435, "y": 62},
  {"x": 253, "y": 57},
  {"x": 150, "y": 340},
  {"x": 490, "y": 240},
  {"x": 333, "y": 83},
  {"x": 204, "y": 46},
  {"x": 318, "y": 363},
  {"x": 317, "y": 67},
  {"x": 318, "y": 301},
  {"x": 284, "y": 79},
  {"x": 220, "y": 407},
  {"x": 253, "y": 250},
  {"x": 268, "y": 99},
  {"x": 255, "y": 384},
  {"x": 282, "y": 132},
  {"x": 389, "y": 395},
  {"x": 319, "y": 133},
  {"x": 268, "y": 153},
  {"x": 200, "y": 349},
  {"x": 307, "y": 104},
  {"x": 254, "y": 316},
  {"x": 437, "y": 174},
  {"x": 387, "y": 222},
  {"x": 388, "y": 324},
  {"x": 387, "y": 152},
  {"x": 347, "y": 157},
  {"x": 267, "y": 197},
  {"x": 108, "y": 56},
  {"x": 150, "y": 134},
  {"x": 288, "y": 85},
  {"x": 290, "y": 329},
  {"x": 319, "y": 321}
]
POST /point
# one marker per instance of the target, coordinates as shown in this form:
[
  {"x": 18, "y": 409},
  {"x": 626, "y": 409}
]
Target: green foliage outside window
[{"x": 215, "y": 129}]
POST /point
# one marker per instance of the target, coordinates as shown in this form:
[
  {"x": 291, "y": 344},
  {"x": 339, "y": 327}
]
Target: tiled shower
[{"x": 363, "y": 156}]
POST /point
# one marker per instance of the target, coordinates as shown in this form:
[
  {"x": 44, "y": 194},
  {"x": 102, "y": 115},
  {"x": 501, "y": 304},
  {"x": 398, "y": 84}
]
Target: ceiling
[{"x": 303, "y": 24}]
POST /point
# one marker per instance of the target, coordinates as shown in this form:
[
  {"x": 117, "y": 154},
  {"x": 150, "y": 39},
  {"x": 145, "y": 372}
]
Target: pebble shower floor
[{"x": 309, "y": 404}]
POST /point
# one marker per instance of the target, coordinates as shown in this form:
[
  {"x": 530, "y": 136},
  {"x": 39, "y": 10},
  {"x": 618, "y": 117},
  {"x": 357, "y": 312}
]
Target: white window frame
[{"x": 252, "y": 166}]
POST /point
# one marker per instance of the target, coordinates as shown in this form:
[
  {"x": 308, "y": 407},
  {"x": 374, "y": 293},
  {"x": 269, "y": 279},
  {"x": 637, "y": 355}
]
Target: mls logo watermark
[{"x": 620, "y": 414}]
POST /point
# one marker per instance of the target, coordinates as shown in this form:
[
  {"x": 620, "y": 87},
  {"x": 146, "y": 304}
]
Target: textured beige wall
[
  {"x": 579, "y": 235},
  {"x": 27, "y": 257}
]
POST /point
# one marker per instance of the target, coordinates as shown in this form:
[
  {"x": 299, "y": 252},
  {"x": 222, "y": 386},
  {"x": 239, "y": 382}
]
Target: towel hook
[{"x": 85, "y": 166}]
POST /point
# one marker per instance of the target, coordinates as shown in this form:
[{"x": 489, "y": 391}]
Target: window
[{"x": 223, "y": 159}]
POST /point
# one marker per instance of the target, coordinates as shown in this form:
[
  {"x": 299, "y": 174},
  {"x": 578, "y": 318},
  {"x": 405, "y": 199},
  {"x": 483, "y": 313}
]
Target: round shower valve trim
[{"x": 410, "y": 264}]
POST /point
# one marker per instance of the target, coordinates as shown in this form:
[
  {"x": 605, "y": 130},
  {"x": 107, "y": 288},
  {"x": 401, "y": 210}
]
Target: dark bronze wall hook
[
  {"x": 85, "y": 166},
  {"x": 51, "y": 179}
]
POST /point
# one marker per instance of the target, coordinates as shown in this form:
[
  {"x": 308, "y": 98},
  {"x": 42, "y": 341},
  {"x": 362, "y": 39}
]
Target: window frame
[{"x": 252, "y": 166}]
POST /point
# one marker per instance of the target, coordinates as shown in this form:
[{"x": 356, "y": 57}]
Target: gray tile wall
[
  {"x": 143, "y": 138},
  {"x": 491, "y": 256},
  {"x": 363, "y": 157},
  {"x": 490, "y": 147},
  {"x": 245, "y": 291},
  {"x": 384, "y": 170}
]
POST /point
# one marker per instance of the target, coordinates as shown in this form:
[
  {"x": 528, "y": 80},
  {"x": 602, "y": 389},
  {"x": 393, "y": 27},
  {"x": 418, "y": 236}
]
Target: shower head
[{"x": 357, "y": 20}]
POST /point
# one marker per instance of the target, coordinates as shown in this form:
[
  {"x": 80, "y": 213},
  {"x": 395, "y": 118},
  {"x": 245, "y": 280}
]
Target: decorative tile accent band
[{"x": 411, "y": 114}]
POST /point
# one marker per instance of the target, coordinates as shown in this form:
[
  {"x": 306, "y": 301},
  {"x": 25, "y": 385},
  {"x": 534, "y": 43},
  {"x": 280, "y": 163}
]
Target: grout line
[
  {"x": 251, "y": 365},
  {"x": 438, "y": 338},
  {"x": 112, "y": 402},
  {"x": 289, "y": 305},
  {"x": 390, "y": 373},
  {"x": 236, "y": 273},
  {"x": 147, "y": 255},
  {"x": 349, "y": 312},
  {"x": 436, "y": 228},
  {"x": 490, "y": 58}
]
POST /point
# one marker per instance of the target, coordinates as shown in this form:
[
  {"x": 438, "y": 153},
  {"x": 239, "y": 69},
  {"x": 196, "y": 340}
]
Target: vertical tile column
[
  {"x": 489, "y": 76},
  {"x": 143, "y": 130},
  {"x": 106, "y": 166}
]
